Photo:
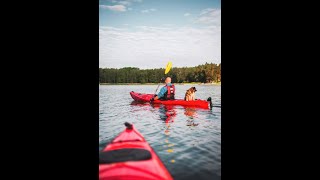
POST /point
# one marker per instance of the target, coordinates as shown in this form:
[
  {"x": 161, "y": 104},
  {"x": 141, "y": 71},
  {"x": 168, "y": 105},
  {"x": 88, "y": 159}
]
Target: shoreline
[{"x": 193, "y": 83}]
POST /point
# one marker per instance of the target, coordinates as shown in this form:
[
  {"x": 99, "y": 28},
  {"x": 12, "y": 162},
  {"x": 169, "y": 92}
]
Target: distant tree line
[{"x": 206, "y": 73}]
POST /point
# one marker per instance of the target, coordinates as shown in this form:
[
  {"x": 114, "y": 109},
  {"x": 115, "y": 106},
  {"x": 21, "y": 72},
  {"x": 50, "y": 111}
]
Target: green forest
[{"x": 206, "y": 73}]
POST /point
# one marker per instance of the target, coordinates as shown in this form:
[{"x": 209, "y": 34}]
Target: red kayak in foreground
[
  {"x": 141, "y": 97},
  {"x": 129, "y": 156}
]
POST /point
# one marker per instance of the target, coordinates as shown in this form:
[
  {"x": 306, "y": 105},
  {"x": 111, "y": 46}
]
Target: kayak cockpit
[{"x": 123, "y": 155}]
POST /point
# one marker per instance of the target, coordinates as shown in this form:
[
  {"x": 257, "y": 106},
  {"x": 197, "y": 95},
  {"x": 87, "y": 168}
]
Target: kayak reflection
[
  {"x": 168, "y": 113},
  {"x": 191, "y": 113}
]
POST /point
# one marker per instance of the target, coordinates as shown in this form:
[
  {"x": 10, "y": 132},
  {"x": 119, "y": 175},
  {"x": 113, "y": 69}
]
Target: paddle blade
[{"x": 168, "y": 67}]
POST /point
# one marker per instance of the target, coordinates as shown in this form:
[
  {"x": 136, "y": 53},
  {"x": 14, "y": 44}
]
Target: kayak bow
[{"x": 129, "y": 156}]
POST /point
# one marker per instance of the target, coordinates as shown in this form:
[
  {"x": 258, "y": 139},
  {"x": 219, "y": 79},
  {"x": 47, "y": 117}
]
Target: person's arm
[{"x": 163, "y": 90}]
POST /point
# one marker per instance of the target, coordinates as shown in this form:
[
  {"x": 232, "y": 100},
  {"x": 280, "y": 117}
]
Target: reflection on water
[
  {"x": 191, "y": 113},
  {"x": 187, "y": 139},
  {"x": 167, "y": 113}
]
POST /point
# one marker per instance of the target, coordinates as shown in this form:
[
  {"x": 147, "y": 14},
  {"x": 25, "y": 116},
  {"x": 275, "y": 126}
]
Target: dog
[{"x": 190, "y": 94}]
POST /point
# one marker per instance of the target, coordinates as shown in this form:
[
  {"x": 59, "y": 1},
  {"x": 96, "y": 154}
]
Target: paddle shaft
[{"x": 157, "y": 87}]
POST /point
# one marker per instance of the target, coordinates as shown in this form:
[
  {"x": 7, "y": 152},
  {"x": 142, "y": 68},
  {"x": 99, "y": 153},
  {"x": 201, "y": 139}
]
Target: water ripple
[{"x": 188, "y": 140}]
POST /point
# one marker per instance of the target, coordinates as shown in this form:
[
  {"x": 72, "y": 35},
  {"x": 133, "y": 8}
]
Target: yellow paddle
[{"x": 168, "y": 67}]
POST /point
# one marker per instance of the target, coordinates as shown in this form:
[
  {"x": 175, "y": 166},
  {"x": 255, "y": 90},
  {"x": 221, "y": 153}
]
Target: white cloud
[
  {"x": 205, "y": 11},
  {"x": 187, "y": 14},
  {"x": 209, "y": 16},
  {"x": 129, "y": 9},
  {"x": 151, "y": 28},
  {"x": 109, "y": 28},
  {"x": 124, "y": 2},
  {"x": 148, "y": 10},
  {"x": 103, "y": 6},
  {"x": 152, "y": 47},
  {"x": 120, "y": 8}
]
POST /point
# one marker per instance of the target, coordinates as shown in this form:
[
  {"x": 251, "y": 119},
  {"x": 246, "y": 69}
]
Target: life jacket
[{"x": 170, "y": 92}]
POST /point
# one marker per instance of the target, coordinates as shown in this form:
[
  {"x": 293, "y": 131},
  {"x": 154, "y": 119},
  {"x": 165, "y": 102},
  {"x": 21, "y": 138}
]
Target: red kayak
[
  {"x": 129, "y": 156},
  {"x": 141, "y": 97}
]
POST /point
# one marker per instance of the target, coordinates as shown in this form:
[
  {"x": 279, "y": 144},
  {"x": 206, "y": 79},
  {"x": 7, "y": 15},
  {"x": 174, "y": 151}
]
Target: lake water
[{"x": 187, "y": 140}]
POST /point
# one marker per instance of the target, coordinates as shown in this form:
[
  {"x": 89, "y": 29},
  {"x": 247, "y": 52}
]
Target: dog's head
[{"x": 193, "y": 89}]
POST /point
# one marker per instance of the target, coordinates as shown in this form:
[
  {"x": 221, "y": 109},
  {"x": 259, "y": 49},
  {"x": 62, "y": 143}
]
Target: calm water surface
[{"x": 187, "y": 140}]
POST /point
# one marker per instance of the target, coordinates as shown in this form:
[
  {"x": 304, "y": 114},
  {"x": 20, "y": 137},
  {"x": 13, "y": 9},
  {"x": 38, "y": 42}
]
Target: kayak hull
[
  {"x": 141, "y": 97},
  {"x": 148, "y": 168}
]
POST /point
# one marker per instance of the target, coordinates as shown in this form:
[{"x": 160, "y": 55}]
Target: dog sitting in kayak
[{"x": 190, "y": 94}]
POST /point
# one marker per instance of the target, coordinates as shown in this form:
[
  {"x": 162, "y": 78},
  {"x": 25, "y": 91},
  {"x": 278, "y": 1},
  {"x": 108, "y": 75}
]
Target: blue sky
[{"x": 149, "y": 33}]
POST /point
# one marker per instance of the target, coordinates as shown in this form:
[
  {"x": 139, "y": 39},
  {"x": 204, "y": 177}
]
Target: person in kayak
[{"x": 167, "y": 92}]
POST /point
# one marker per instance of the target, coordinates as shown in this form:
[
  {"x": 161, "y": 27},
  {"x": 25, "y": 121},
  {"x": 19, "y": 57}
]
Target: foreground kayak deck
[
  {"x": 141, "y": 97},
  {"x": 129, "y": 156}
]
